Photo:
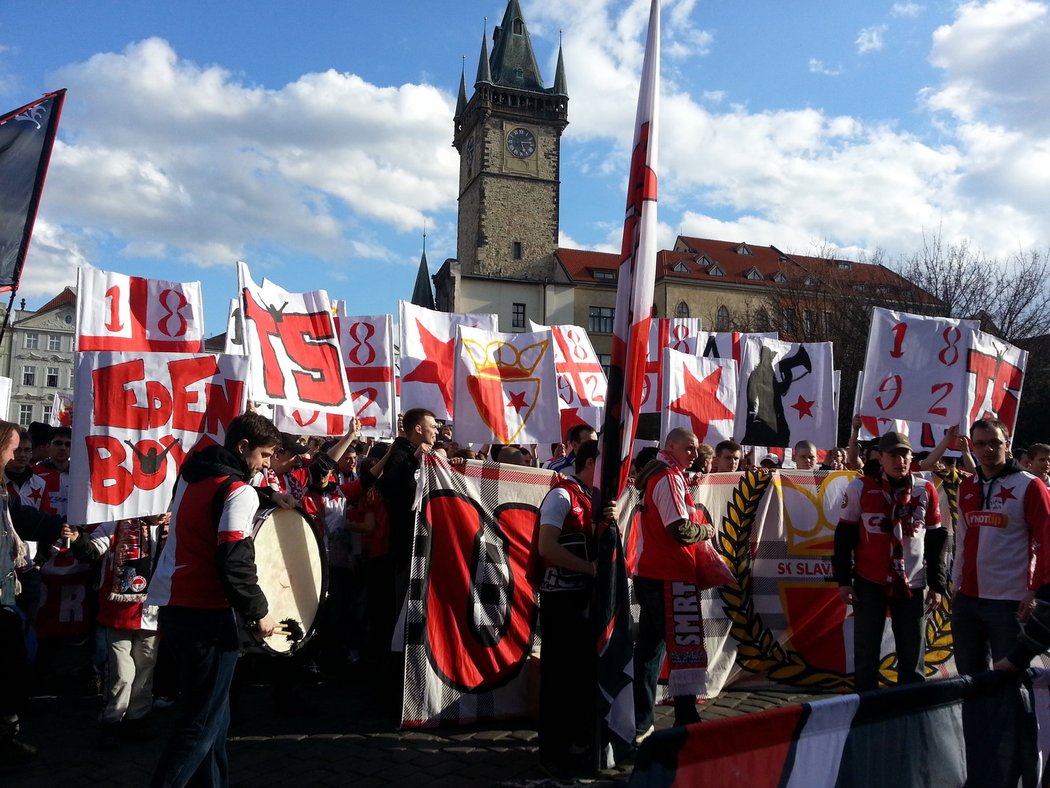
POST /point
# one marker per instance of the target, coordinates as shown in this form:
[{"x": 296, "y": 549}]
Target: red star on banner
[
  {"x": 1006, "y": 494},
  {"x": 436, "y": 366},
  {"x": 517, "y": 401},
  {"x": 804, "y": 407},
  {"x": 37, "y": 495},
  {"x": 700, "y": 402}
]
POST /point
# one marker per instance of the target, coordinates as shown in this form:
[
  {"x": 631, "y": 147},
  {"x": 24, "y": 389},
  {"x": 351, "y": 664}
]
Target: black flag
[{"x": 26, "y": 137}]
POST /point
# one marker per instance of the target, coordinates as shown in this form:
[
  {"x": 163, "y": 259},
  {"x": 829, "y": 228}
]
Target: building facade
[{"x": 37, "y": 355}]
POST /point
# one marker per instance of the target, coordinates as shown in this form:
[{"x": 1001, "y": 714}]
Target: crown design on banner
[{"x": 500, "y": 359}]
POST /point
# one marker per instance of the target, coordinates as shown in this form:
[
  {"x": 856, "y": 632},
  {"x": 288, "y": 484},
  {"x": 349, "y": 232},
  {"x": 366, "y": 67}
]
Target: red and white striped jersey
[{"x": 1002, "y": 544}]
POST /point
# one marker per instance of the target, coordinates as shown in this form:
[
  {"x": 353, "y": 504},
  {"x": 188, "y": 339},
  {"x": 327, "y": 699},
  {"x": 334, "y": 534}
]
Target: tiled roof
[
  {"x": 68, "y": 297},
  {"x": 708, "y": 260}
]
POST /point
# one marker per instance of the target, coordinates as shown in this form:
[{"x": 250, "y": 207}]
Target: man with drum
[{"x": 205, "y": 574}]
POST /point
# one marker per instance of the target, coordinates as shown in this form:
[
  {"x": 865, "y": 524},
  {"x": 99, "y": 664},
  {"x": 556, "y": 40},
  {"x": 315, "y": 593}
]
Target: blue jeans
[
  {"x": 205, "y": 646},
  {"x": 982, "y": 629}
]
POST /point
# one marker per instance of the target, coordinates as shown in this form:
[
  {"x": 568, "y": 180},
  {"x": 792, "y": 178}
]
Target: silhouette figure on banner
[{"x": 765, "y": 424}]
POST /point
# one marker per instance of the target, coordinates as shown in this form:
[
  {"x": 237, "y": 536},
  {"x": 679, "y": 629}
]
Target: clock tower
[{"x": 509, "y": 140}]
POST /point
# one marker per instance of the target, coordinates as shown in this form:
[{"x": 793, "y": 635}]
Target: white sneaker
[{"x": 643, "y": 736}]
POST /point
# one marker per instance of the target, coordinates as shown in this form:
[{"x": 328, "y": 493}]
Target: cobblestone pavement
[{"x": 340, "y": 733}]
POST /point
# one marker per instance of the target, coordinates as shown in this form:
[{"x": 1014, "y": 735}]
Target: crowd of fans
[{"x": 359, "y": 492}]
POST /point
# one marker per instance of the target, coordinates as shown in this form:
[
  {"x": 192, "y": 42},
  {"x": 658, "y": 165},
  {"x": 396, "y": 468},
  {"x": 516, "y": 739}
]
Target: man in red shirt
[{"x": 671, "y": 529}]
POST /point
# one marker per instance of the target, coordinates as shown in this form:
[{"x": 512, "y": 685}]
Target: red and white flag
[
  {"x": 994, "y": 376},
  {"x": 428, "y": 352},
  {"x": 679, "y": 333},
  {"x": 294, "y": 357},
  {"x": 506, "y": 388},
  {"x": 61, "y": 410},
  {"x": 121, "y": 313},
  {"x": 636, "y": 281},
  {"x": 582, "y": 383},
  {"x": 699, "y": 394}
]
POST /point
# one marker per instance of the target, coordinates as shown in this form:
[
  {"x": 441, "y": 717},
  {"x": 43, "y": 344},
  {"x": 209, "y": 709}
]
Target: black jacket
[{"x": 235, "y": 561}]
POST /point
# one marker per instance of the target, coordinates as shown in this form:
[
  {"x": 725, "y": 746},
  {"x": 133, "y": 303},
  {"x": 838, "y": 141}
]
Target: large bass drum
[{"x": 293, "y": 574}]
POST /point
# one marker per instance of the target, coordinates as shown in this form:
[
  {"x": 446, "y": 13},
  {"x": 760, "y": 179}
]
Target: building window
[
  {"x": 25, "y": 415},
  {"x": 51, "y": 380},
  {"x": 809, "y": 322},
  {"x": 517, "y": 316},
  {"x": 789, "y": 321},
  {"x": 69, "y": 378},
  {"x": 605, "y": 276},
  {"x": 47, "y": 414},
  {"x": 519, "y": 27},
  {"x": 54, "y": 342},
  {"x": 32, "y": 341},
  {"x": 601, "y": 319},
  {"x": 680, "y": 268},
  {"x": 605, "y": 360},
  {"x": 517, "y": 250},
  {"x": 682, "y": 310},
  {"x": 716, "y": 270},
  {"x": 28, "y": 376},
  {"x": 754, "y": 274},
  {"x": 762, "y": 319},
  {"x": 722, "y": 321}
]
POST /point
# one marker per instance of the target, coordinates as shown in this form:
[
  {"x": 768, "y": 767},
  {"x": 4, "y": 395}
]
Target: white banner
[
  {"x": 915, "y": 367},
  {"x": 506, "y": 388},
  {"x": 235, "y": 331},
  {"x": 129, "y": 313},
  {"x": 292, "y": 348},
  {"x": 428, "y": 351},
  {"x": 582, "y": 383},
  {"x": 136, "y": 418},
  {"x": 699, "y": 394},
  {"x": 368, "y": 358},
  {"x": 788, "y": 393}
]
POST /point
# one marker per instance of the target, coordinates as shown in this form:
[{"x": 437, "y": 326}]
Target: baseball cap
[
  {"x": 293, "y": 444},
  {"x": 891, "y": 441}
]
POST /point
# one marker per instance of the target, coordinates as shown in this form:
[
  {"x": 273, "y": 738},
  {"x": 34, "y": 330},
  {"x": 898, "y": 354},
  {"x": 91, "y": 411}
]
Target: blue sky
[{"x": 313, "y": 139}]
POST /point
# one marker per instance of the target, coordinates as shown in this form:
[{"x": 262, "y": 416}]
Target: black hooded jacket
[{"x": 235, "y": 561}]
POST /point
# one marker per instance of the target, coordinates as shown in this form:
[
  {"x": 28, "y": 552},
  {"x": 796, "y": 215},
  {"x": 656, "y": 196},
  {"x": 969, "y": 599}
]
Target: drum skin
[{"x": 293, "y": 574}]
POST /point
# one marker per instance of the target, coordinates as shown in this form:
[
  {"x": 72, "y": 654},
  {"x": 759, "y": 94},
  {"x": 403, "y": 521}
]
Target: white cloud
[
  {"x": 906, "y": 9},
  {"x": 870, "y": 39},
  {"x": 818, "y": 67},
  {"x": 995, "y": 56},
  {"x": 172, "y": 155}
]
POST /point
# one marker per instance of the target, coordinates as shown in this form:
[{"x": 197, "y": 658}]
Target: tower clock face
[
  {"x": 470, "y": 152},
  {"x": 521, "y": 143}
]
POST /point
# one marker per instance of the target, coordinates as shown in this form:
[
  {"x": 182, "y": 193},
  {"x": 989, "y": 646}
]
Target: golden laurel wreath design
[{"x": 757, "y": 649}]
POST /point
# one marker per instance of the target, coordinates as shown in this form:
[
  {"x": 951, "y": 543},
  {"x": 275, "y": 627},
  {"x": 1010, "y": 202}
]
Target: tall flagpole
[{"x": 636, "y": 282}]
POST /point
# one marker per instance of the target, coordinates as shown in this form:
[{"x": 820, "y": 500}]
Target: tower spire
[
  {"x": 560, "y": 87},
  {"x": 513, "y": 62},
  {"x": 484, "y": 70},
  {"x": 461, "y": 100},
  {"x": 422, "y": 293}
]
